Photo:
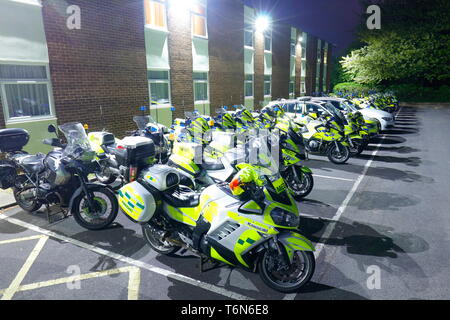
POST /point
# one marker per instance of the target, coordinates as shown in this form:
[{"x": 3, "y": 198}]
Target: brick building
[{"x": 98, "y": 62}]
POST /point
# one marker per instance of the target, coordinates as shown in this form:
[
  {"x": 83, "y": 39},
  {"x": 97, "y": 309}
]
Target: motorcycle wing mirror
[{"x": 51, "y": 128}]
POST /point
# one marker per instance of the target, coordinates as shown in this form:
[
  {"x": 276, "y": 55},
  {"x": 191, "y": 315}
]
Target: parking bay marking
[
  {"x": 330, "y": 228},
  {"x": 137, "y": 263},
  {"x": 335, "y": 178}
]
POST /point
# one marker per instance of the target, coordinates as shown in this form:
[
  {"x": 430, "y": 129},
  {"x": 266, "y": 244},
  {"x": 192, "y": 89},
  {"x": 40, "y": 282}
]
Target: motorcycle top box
[
  {"x": 13, "y": 139},
  {"x": 135, "y": 150}
]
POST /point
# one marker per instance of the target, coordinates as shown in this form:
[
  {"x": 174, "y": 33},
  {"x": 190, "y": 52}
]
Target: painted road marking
[
  {"x": 169, "y": 274},
  {"x": 335, "y": 178},
  {"x": 330, "y": 227},
  {"x": 133, "y": 282},
  {"x": 12, "y": 289}
]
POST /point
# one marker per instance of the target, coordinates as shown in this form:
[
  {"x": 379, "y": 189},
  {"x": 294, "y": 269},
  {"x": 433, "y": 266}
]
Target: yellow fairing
[
  {"x": 247, "y": 239},
  {"x": 185, "y": 163},
  {"x": 185, "y": 215}
]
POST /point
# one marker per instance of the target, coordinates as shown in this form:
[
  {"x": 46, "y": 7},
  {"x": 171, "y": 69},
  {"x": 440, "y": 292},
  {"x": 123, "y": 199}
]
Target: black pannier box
[
  {"x": 135, "y": 150},
  {"x": 13, "y": 139},
  {"x": 7, "y": 175}
]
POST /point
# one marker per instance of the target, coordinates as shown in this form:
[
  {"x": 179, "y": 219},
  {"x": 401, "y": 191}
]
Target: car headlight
[
  {"x": 387, "y": 118},
  {"x": 284, "y": 218}
]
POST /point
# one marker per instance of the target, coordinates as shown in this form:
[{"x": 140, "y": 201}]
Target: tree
[{"x": 412, "y": 45}]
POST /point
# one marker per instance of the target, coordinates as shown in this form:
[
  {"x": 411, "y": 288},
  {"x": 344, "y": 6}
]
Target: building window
[
  {"x": 155, "y": 13},
  {"x": 201, "y": 86},
  {"x": 248, "y": 36},
  {"x": 293, "y": 48},
  {"x": 302, "y": 87},
  {"x": 268, "y": 41},
  {"x": 267, "y": 85},
  {"x": 249, "y": 86},
  {"x": 159, "y": 85},
  {"x": 199, "y": 20},
  {"x": 26, "y": 91},
  {"x": 292, "y": 88},
  {"x": 303, "y": 69}
]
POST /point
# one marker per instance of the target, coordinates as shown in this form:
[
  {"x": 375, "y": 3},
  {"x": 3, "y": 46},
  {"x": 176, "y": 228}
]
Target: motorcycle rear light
[{"x": 133, "y": 173}]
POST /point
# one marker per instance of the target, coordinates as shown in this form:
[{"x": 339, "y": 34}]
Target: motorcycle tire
[
  {"x": 359, "y": 148},
  {"x": 156, "y": 244},
  {"x": 300, "y": 189},
  {"x": 103, "y": 197},
  {"x": 29, "y": 206},
  {"x": 331, "y": 154},
  {"x": 274, "y": 281}
]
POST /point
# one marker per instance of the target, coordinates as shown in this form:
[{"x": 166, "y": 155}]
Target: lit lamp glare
[{"x": 262, "y": 23}]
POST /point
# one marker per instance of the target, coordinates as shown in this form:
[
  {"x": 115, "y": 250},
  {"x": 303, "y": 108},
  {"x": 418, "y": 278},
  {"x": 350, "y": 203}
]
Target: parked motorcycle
[
  {"x": 250, "y": 222},
  {"x": 60, "y": 177}
]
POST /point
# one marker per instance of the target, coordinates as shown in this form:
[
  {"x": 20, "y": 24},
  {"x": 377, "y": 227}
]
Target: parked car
[{"x": 386, "y": 119}]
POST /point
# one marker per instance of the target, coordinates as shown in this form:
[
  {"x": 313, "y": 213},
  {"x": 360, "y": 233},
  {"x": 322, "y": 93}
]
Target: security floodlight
[{"x": 262, "y": 23}]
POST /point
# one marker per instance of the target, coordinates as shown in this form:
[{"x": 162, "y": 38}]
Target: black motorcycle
[{"x": 57, "y": 178}]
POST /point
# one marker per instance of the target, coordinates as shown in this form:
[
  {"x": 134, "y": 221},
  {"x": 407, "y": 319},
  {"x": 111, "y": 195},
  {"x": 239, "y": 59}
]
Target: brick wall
[
  {"x": 102, "y": 64},
  {"x": 311, "y": 63},
  {"x": 259, "y": 69},
  {"x": 329, "y": 67},
  {"x": 298, "y": 66},
  {"x": 281, "y": 42},
  {"x": 322, "y": 66},
  {"x": 180, "y": 58},
  {"x": 2, "y": 116},
  {"x": 226, "y": 52}
]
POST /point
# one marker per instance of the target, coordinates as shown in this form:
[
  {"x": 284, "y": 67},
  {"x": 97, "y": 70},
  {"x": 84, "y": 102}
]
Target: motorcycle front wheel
[
  {"x": 300, "y": 183},
  {"x": 286, "y": 279},
  {"x": 154, "y": 239},
  {"x": 104, "y": 212},
  {"x": 336, "y": 156}
]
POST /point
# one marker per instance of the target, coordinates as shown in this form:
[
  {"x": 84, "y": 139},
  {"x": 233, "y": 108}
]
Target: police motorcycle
[
  {"x": 324, "y": 134},
  {"x": 298, "y": 177},
  {"x": 250, "y": 222},
  {"x": 59, "y": 177},
  {"x": 123, "y": 158}
]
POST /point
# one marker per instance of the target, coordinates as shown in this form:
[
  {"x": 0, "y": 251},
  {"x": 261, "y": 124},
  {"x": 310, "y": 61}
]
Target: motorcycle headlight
[{"x": 284, "y": 218}]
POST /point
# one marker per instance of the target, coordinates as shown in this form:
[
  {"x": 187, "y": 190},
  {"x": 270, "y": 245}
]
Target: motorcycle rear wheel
[
  {"x": 287, "y": 281},
  {"x": 154, "y": 241},
  {"x": 26, "y": 205}
]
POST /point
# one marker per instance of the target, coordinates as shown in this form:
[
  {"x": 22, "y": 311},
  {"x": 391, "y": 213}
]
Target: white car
[{"x": 386, "y": 119}]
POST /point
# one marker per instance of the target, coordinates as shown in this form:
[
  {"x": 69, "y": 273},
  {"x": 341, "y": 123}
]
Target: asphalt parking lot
[{"x": 380, "y": 225}]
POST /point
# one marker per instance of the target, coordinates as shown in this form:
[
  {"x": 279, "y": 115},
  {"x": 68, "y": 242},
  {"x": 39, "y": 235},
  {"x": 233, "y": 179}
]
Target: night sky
[{"x": 331, "y": 20}]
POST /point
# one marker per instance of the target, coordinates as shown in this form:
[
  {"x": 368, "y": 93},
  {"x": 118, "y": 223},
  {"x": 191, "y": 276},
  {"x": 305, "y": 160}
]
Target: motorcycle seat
[
  {"x": 32, "y": 163},
  {"x": 212, "y": 164},
  {"x": 182, "y": 197}
]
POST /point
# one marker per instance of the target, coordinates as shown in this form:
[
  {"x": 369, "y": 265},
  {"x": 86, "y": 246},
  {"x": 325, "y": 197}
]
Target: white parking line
[
  {"x": 330, "y": 227},
  {"x": 137, "y": 263},
  {"x": 335, "y": 178}
]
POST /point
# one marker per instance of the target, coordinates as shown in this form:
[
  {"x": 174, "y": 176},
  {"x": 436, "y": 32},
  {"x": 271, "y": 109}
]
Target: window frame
[
  {"x": 249, "y": 28},
  {"x": 154, "y": 27},
  {"x": 293, "y": 45},
  {"x": 292, "y": 82},
  {"x": 267, "y": 81},
  {"x": 252, "y": 81},
  {"x": 165, "y": 81},
  {"x": 268, "y": 34},
  {"x": 47, "y": 82},
  {"x": 204, "y": 16},
  {"x": 196, "y": 81}
]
